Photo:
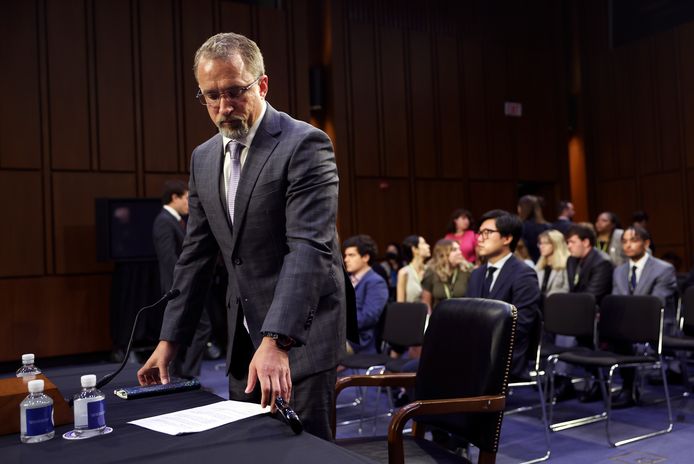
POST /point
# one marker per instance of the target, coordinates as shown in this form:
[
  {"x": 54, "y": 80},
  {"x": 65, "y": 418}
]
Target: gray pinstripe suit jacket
[{"x": 284, "y": 261}]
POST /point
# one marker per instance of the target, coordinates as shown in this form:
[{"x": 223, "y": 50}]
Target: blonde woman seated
[
  {"x": 415, "y": 250},
  {"x": 447, "y": 274},
  {"x": 551, "y": 267}
]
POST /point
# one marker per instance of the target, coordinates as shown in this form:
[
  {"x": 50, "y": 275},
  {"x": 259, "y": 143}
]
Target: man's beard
[{"x": 238, "y": 130}]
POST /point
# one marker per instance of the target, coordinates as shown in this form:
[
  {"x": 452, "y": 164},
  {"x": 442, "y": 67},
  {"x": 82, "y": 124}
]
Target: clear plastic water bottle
[
  {"x": 90, "y": 408},
  {"x": 36, "y": 415},
  {"x": 28, "y": 369}
]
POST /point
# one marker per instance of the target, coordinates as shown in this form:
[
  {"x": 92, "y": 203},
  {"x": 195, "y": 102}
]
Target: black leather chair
[
  {"x": 460, "y": 385},
  {"x": 683, "y": 341},
  {"x": 623, "y": 320}
]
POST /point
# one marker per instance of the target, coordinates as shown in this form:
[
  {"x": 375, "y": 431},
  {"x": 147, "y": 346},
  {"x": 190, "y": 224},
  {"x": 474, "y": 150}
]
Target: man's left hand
[{"x": 270, "y": 366}]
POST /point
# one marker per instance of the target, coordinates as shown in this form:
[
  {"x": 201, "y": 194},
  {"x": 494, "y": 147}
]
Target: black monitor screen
[{"x": 124, "y": 228}]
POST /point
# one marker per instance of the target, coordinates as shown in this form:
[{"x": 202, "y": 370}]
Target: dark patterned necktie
[
  {"x": 632, "y": 281},
  {"x": 488, "y": 281}
]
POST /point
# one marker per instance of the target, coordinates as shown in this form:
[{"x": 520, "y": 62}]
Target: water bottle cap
[
  {"x": 88, "y": 381},
  {"x": 28, "y": 358},
  {"x": 35, "y": 386}
]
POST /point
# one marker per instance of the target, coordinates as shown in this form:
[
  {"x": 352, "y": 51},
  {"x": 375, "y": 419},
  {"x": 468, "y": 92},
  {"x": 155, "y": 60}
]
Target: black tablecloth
[{"x": 258, "y": 439}]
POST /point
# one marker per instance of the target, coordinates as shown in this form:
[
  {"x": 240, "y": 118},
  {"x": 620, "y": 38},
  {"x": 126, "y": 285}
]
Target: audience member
[
  {"x": 370, "y": 290},
  {"x": 530, "y": 212},
  {"x": 565, "y": 212},
  {"x": 415, "y": 251},
  {"x": 551, "y": 268},
  {"x": 168, "y": 232},
  {"x": 642, "y": 274},
  {"x": 640, "y": 218},
  {"x": 504, "y": 277},
  {"x": 609, "y": 236},
  {"x": 522, "y": 253},
  {"x": 588, "y": 271},
  {"x": 446, "y": 275},
  {"x": 391, "y": 265},
  {"x": 461, "y": 229}
]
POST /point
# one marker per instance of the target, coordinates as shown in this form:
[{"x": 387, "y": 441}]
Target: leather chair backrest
[{"x": 467, "y": 352}]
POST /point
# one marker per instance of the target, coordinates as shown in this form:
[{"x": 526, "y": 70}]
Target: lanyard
[{"x": 446, "y": 288}]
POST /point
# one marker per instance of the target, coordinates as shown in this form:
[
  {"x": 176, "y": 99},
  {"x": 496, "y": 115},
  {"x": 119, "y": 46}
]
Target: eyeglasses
[
  {"x": 214, "y": 97},
  {"x": 485, "y": 233}
]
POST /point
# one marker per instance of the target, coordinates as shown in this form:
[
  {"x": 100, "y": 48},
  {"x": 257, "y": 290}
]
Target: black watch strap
[{"x": 283, "y": 342}]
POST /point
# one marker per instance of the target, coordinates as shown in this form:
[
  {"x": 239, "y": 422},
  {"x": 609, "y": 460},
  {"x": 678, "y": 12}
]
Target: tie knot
[
  {"x": 490, "y": 271},
  {"x": 235, "y": 150}
]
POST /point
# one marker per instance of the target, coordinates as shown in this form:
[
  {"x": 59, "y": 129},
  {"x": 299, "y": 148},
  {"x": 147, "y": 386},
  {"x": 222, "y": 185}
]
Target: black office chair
[
  {"x": 460, "y": 385},
  {"x": 683, "y": 341},
  {"x": 403, "y": 325},
  {"x": 623, "y": 319},
  {"x": 572, "y": 315}
]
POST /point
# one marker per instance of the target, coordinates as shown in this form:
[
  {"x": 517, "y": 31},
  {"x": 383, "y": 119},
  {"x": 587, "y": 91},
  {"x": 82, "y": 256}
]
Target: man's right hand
[{"x": 156, "y": 369}]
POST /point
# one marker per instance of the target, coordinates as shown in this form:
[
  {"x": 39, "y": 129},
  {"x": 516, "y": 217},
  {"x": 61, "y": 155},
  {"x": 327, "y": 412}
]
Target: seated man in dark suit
[
  {"x": 371, "y": 290},
  {"x": 506, "y": 278},
  {"x": 589, "y": 271},
  {"x": 642, "y": 274}
]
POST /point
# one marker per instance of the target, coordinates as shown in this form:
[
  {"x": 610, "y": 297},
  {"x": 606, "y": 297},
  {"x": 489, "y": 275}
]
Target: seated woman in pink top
[{"x": 461, "y": 230}]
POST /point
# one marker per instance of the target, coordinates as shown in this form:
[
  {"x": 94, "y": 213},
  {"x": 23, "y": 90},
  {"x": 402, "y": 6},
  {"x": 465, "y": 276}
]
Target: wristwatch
[{"x": 283, "y": 342}]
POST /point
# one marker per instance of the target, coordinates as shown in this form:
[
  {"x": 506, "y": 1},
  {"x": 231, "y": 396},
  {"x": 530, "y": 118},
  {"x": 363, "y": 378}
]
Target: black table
[{"x": 258, "y": 439}]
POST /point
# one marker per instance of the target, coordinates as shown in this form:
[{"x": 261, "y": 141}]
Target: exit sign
[{"x": 513, "y": 109}]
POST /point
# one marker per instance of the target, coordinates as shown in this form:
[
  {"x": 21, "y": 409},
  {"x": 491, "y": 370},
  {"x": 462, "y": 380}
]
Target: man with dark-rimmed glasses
[
  {"x": 263, "y": 192},
  {"x": 504, "y": 277}
]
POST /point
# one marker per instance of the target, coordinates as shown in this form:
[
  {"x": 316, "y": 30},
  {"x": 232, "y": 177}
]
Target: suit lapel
[
  {"x": 260, "y": 150},
  {"x": 645, "y": 278},
  {"x": 501, "y": 279},
  {"x": 212, "y": 175}
]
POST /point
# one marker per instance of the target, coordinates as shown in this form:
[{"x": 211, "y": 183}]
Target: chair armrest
[
  {"x": 381, "y": 380},
  {"x": 491, "y": 403}
]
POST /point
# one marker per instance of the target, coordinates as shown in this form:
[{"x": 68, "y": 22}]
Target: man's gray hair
[{"x": 227, "y": 44}]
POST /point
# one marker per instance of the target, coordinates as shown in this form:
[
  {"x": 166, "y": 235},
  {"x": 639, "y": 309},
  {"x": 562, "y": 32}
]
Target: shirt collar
[
  {"x": 640, "y": 263},
  {"x": 173, "y": 212},
  {"x": 499, "y": 264},
  {"x": 248, "y": 139}
]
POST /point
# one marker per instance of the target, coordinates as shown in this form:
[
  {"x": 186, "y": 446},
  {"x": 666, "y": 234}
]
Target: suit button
[{"x": 237, "y": 261}]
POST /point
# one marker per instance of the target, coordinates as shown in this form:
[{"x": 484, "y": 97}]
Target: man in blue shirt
[{"x": 370, "y": 289}]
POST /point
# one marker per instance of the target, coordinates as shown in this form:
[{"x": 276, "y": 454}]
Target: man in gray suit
[
  {"x": 642, "y": 274},
  {"x": 264, "y": 192}
]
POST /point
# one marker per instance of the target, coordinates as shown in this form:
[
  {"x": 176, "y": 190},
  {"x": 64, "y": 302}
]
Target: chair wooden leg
[{"x": 487, "y": 457}]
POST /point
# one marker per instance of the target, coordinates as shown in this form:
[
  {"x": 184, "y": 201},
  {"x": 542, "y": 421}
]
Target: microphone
[
  {"x": 170, "y": 295},
  {"x": 289, "y": 415}
]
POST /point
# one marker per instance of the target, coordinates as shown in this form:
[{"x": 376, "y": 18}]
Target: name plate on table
[
  {"x": 132, "y": 393},
  {"x": 14, "y": 390}
]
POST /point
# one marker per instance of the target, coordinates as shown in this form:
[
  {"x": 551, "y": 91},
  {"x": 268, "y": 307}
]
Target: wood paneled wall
[
  {"x": 639, "y": 126},
  {"x": 417, "y": 100},
  {"x": 99, "y": 102}
]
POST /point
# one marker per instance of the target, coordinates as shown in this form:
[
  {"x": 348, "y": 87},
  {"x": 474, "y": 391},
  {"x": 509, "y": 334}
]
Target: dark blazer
[
  {"x": 282, "y": 254},
  {"x": 562, "y": 225},
  {"x": 658, "y": 278},
  {"x": 371, "y": 296},
  {"x": 595, "y": 276},
  {"x": 167, "y": 235},
  {"x": 516, "y": 284}
]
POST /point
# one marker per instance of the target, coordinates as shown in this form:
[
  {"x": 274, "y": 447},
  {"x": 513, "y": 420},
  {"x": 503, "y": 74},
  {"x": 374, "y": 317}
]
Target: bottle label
[
  {"x": 39, "y": 420},
  {"x": 96, "y": 411}
]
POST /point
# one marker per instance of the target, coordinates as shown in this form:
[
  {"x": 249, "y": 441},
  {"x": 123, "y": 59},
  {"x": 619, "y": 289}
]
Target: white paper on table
[{"x": 201, "y": 418}]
